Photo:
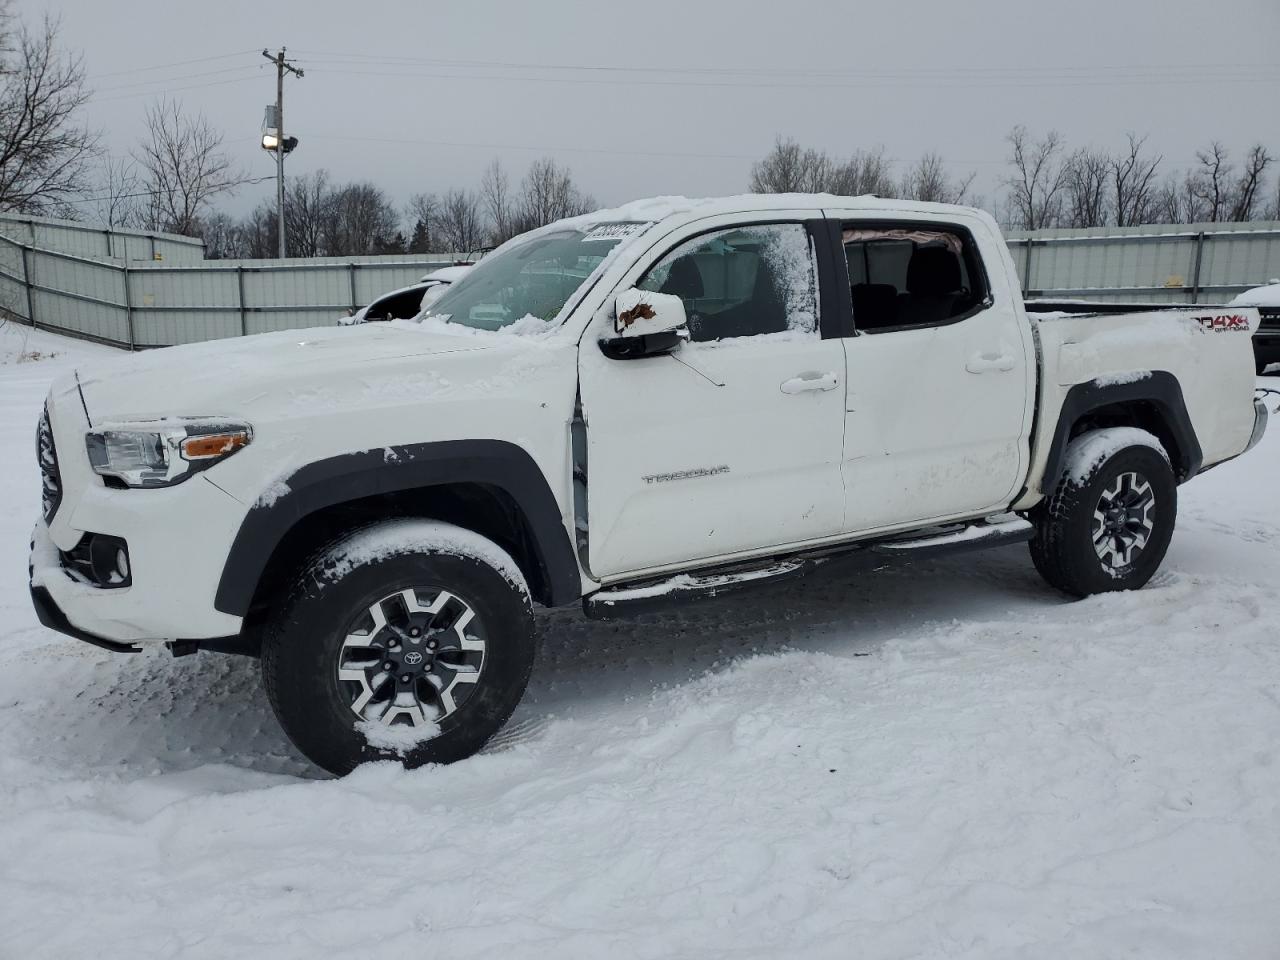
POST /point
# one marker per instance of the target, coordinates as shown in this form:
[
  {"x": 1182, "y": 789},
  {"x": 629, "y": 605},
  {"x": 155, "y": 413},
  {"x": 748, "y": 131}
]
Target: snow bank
[{"x": 941, "y": 759}]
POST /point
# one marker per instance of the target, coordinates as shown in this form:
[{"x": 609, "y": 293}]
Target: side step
[
  {"x": 992, "y": 532},
  {"x": 654, "y": 594},
  {"x": 626, "y": 600}
]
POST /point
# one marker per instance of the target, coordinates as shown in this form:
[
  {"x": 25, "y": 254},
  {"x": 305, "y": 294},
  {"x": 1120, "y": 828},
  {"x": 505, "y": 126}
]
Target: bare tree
[
  {"x": 495, "y": 193},
  {"x": 44, "y": 148},
  {"x": 790, "y": 168},
  {"x": 423, "y": 212},
  {"x": 460, "y": 223},
  {"x": 363, "y": 221},
  {"x": 183, "y": 165},
  {"x": 1248, "y": 186},
  {"x": 547, "y": 194},
  {"x": 119, "y": 193},
  {"x": 1035, "y": 186},
  {"x": 308, "y": 209},
  {"x": 1086, "y": 188},
  {"x": 224, "y": 238},
  {"x": 784, "y": 169},
  {"x": 1133, "y": 185},
  {"x": 864, "y": 173},
  {"x": 256, "y": 235},
  {"x": 1208, "y": 185},
  {"x": 929, "y": 180}
]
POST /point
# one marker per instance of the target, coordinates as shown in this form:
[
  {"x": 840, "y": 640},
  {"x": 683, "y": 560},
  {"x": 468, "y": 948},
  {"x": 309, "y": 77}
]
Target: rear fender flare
[{"x": 1160, "y": 391}]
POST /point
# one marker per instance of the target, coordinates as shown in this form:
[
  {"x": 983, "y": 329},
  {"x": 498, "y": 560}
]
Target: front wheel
[
  {"x": 410, "y": 640},
  {"x": 1108, "y": 523}
]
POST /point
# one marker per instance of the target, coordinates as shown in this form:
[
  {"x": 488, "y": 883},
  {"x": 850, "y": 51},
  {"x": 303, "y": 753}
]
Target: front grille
[{"x": 50, "y": 479}]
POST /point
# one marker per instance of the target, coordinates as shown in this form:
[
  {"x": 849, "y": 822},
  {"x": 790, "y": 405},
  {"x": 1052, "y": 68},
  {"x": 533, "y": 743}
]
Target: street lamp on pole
[{"x": 274, "y": 138}]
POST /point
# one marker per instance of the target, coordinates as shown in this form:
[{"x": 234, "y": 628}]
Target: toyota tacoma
[{"x": 668, "y": 400}]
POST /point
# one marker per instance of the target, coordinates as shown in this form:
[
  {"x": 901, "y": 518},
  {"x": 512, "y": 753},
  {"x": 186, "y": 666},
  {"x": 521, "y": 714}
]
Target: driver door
[{"x": 732, "y": 444}]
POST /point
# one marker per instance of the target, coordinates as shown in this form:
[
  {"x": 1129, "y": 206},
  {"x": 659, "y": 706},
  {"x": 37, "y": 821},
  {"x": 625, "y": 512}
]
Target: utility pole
[{"x": 281, "y": 66}]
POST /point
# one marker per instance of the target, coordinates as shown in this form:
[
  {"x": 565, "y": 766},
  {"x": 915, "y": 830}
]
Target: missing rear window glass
[{"x": 903, "y": 276}]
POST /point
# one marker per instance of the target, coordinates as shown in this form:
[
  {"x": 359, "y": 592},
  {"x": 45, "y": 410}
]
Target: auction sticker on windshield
[{"x": 614, "y": 231}]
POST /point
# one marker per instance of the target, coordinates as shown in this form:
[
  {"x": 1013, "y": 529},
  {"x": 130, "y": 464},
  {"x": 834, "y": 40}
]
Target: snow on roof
[
  {"x": 447, "y": 274},
  {"x": 653, "y": 209},
  {"x": 1264, "y": 296}
]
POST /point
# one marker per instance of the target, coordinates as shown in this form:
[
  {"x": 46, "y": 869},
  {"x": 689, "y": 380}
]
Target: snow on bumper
[{"x": 177, "y": 542}]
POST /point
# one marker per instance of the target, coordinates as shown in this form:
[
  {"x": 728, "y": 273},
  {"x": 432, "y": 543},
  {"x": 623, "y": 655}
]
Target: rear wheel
[
  {"x": 411, "y": 639},
  {"x": 1108, "y": 523}
]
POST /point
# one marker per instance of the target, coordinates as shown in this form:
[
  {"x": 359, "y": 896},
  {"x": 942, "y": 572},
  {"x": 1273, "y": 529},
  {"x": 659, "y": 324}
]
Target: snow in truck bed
[{"x": 938, "y": 760}]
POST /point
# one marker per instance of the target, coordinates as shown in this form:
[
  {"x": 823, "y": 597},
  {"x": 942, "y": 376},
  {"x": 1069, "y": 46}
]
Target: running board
[
  {"x": 638, "y": 597},
  {"x": 995, "y": 532}
]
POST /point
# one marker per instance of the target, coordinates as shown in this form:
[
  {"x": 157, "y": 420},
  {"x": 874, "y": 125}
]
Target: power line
[
  {"x": 257, "y": 68},
  {"x": 152, "y": 93},
  {"x": 156, "y": 193},
  {"x": 176, "y": 63},
  {"x": 885, "y": 80},
  {"x": 549, "y": 149},
  {"x": 1176, "y": 69},
  {"x": 1070, "y": 76}
]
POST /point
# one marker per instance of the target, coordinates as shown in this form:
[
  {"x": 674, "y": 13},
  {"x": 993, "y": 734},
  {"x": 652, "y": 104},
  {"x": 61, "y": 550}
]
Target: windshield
[{"x": 533, "y": 278}]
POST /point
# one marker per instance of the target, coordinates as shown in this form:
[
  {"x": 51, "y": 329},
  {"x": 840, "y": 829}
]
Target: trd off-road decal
[{"x": 1224, "y": 323}]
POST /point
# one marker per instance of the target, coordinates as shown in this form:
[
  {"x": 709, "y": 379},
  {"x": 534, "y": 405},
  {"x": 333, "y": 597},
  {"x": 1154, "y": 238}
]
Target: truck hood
[{"x": 236, "y": 375}]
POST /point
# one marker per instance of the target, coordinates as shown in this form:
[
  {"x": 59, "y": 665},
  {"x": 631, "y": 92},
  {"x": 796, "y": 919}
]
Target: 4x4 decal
[{"x": 1224, "y": 323}]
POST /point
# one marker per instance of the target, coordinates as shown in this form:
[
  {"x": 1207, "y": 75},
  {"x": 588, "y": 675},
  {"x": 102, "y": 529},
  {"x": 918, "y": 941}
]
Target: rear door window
[{"x": 903, "y": 276}]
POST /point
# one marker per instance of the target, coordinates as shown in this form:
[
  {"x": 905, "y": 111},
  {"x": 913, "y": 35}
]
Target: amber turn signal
[{"x": 214, "y": 445}]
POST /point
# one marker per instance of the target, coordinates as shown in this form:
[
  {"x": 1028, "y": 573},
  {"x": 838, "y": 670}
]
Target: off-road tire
[
  {"x": 1063, "y": 548},
  {"x": 302, "y": 644}
]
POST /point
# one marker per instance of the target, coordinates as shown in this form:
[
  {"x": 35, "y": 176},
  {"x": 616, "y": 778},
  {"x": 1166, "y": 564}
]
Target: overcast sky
[{"x": 662, "y": 97}]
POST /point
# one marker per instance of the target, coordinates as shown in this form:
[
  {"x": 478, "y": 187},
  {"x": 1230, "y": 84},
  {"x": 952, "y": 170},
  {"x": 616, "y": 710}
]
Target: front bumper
[
  {"x": 50, "y": 615},
  {"x": 178, "y": 539}
]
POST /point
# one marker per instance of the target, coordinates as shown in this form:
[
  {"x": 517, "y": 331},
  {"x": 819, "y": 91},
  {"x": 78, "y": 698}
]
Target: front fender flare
[{"x": 353, "y": 476}]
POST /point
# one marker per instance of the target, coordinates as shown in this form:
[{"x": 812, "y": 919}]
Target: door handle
[
  {"x": 807, "y": 382},
  {"x": 989, "y": 363}
]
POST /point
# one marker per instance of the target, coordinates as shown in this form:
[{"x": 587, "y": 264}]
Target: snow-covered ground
[{"x": 942, "y": 760}]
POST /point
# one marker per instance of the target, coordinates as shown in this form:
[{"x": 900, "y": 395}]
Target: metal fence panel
[
  {"x": 93, "y": 321},
  {"x": 85, "y": 240},
  {"x": 126, "y": 297},
  {"x": 1158, "y": 264},
  {"x": 158, "y": 327}
]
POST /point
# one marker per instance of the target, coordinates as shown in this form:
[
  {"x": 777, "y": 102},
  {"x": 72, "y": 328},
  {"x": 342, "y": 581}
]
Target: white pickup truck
[{"x": 671, "y": 399}]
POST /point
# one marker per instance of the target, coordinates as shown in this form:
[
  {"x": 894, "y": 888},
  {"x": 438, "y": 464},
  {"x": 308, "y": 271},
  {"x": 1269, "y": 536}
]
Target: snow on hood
[
  {"x": 219, "y": 376},
  {"x": 1265, "y": 296}
]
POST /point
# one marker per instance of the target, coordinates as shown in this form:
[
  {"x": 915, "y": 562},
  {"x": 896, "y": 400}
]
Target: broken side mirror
[{"x": 647, "y": 324}]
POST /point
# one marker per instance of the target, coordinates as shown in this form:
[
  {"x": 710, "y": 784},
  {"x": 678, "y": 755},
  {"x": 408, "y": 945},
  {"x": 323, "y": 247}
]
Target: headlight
[{"x": 163, "y": 453}]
